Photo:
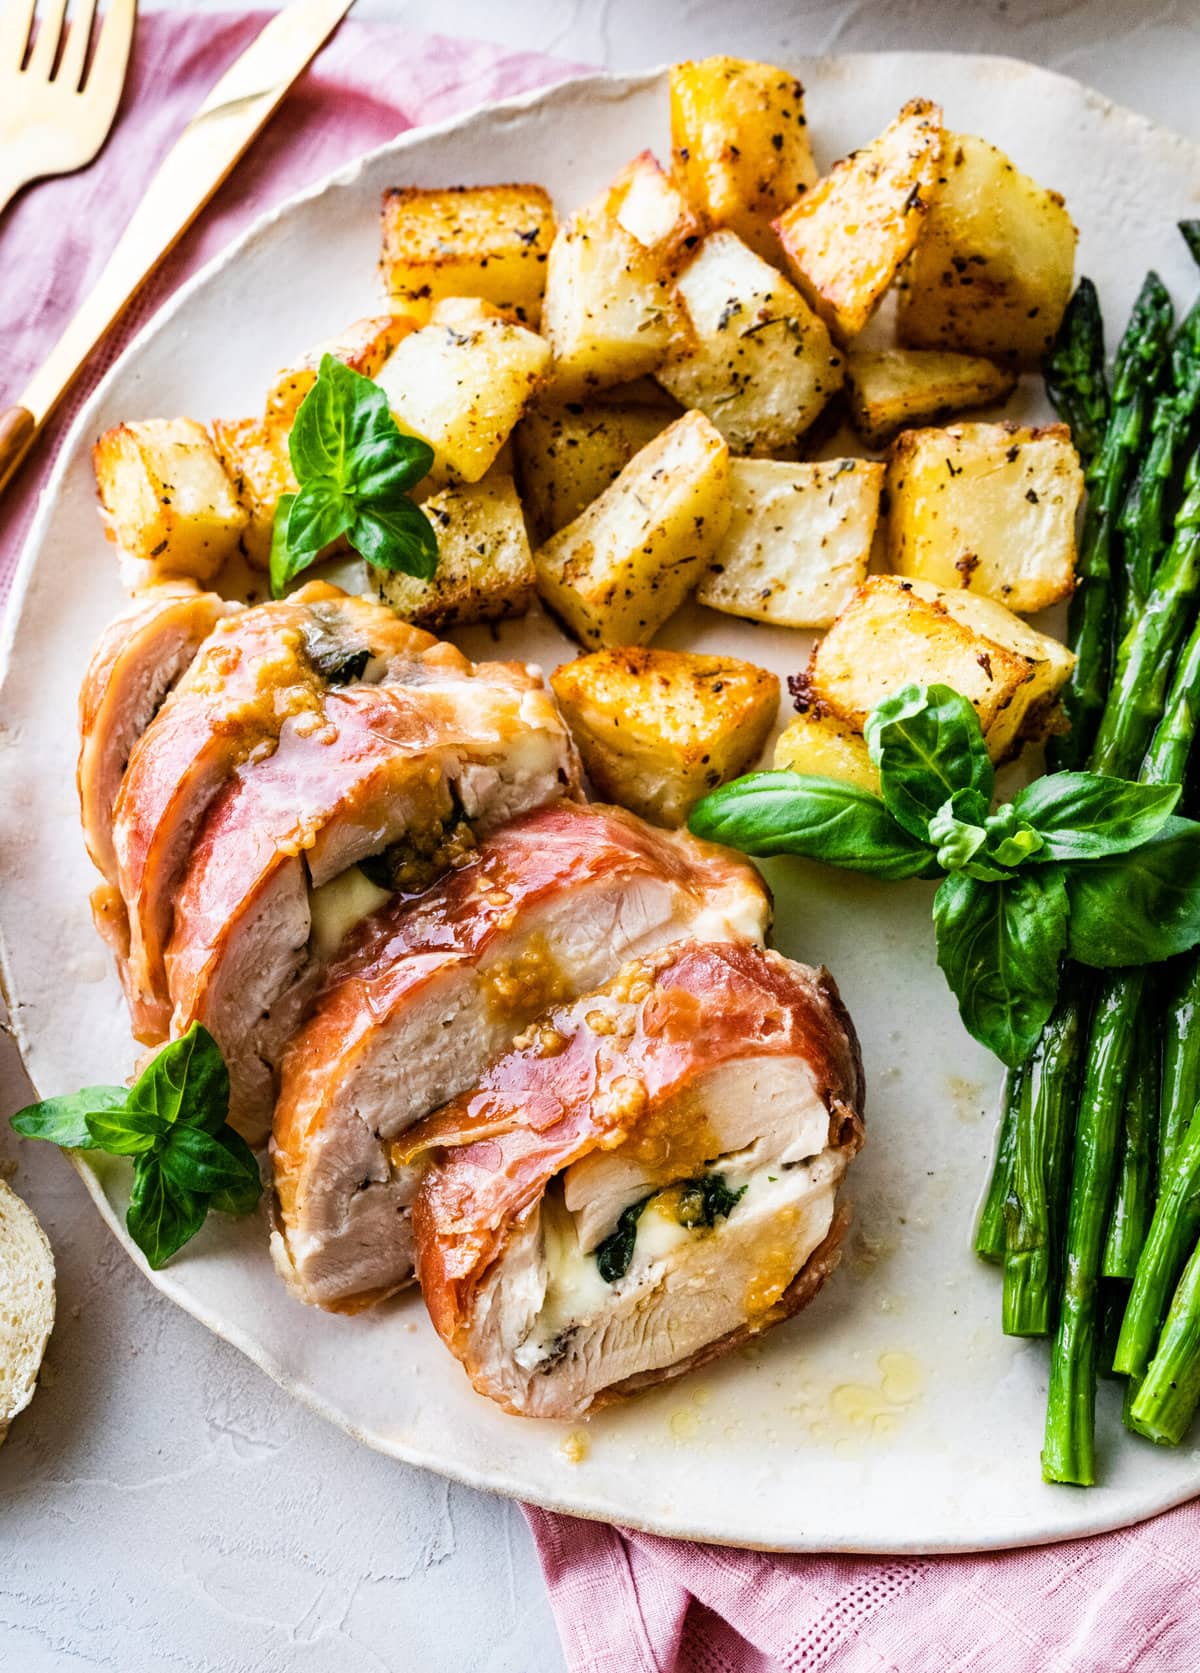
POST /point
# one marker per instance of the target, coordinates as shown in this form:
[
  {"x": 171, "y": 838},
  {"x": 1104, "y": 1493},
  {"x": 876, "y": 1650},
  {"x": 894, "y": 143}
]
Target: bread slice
[{"x": 26, "y": 1303}]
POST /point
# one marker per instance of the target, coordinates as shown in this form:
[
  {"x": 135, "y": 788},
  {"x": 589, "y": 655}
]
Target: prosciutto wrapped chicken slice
[
  {"x": 137, "y": 660},
  {"x": 256, "y": 670},
  {"x": 419, "y": 767},
  {"x": 646, "y": 1180},
  {"x": 546, "y": 909}
]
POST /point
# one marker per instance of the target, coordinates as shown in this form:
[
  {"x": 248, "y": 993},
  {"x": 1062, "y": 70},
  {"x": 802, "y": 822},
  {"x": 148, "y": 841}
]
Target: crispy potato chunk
[
  {"x": 485, "y": 568},
  {"x": 488, "y": 241},
  {"x": 890, "y": 389},
  {"x": 993, "y": 270},
  {"x": 659, "y": 729},
  {"x": 826, "y": 747},
  {"x": 255, "y": 453},
  {"x": 608, "y": 311},
  {"x": 845, "y": 239},
  {"x": 895, "y": 631},
  {"x": 625, "y": 564},
  {"x": 363, "y": 346},
  {"x": 568, "y": 456},
  {"x": 462, "y": 382},
  {"x": 991, "y": 507},
  {"x": 739, "y": 144},
  {"x": 799, "y": 540},
  {"x": 761, "y": 364},
  {"x": 167, "y": 498},
  {"x": 648, "y": 204}
]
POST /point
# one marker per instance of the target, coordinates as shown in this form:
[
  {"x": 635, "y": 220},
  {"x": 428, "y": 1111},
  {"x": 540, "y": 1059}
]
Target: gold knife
[{"x": 201, "y": 157}]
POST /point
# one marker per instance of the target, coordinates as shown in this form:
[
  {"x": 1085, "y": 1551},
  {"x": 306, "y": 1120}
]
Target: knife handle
[{"x": 17, "y": 430}]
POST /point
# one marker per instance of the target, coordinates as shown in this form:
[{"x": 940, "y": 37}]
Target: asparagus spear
[
  {"x": 990, "y": 1234},
  {"x": 1134, "y": 1199},
  {"x": 1042, "y": 1154},
  {"x": 1173, "y": 1230},
  {"x": 1180, "y": 1060},
  {"x": 1140, "y": 360},
  {"x": 1166, "y": 1402},
  {"x": 1144, "y": 520},
  {"x": 1068, "y": 1453},
  {"x": 1138, "y": 693},
  {"x": 1075, "y": 373}
]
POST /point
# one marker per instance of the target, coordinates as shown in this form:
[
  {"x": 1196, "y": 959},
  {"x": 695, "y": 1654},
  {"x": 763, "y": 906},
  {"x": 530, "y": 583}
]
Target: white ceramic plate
[{"x": 892, "y": 1416}]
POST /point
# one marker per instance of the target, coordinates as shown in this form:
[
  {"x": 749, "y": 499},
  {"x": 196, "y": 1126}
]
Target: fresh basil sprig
[
  {"x": 1078, "y": 864},
  {"x": 355, "y": 467},
  {"x": 171, "y": 1121}
]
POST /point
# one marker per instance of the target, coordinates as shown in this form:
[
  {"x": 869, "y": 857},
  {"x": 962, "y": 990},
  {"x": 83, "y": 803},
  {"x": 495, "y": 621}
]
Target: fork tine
[
  {"x": 106, "y": 77},
  {"x": 15, "y": 22},
  {"x": 70, "y": 71},
  {"x": 47, "y": 41}
]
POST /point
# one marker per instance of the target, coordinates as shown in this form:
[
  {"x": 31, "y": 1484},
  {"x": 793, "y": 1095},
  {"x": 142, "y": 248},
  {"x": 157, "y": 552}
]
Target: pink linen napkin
[{"x": 625, "y": 1602}]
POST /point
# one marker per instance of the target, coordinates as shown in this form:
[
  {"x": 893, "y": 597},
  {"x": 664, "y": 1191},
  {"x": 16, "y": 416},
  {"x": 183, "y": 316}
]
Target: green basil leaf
[
  {"x": 999, "y": 946},
  {"x": 281, "y": 570},
  {"x": 1010, "y": 840},
  {"x": 927, "y": 743},
  {"x": 1141, "y": 907},
  {"x": 125, "y": 1131},
  {"x": 958, "y": 830},
  {"x": 1086, "y": 816},
  {"x": 396, "y": 536},
  {"x": 64, "y": 1120},
  {"x": 185, "y": 1082},
  {"x": 162, "y": 1215},
  {"x": 208, "y": 1162},
  {"x": 344, "y": 435},
  {"x": 817, "y": 818},
  {"x": 319, "y": 516},
  {"x": 388, "y": 464}
]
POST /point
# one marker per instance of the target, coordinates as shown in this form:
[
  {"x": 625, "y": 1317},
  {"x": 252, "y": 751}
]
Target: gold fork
[{"x": 55, "y": 112}]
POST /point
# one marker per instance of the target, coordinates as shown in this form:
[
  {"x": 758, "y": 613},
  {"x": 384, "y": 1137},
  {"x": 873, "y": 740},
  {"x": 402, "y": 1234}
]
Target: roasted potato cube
[
  {"x": 739, "y": 145},
  {"x": 608, "y": 311},
  {"x": 255, "y": 453},
  {"x": 568, "y": 456},
  {"x": 799, "y": 540},
  {"x": 761, "y": 364},
  {"x": 462, "y": 382},
  {"x": 896, "y": 631},
  {"x": 489, "y": 241},
  {"x": 629, "y": 560},
  {"x": 990, "y": 507},
  {"x": 167, "y": 498},
  {"x": 485, "y": 568},
  {"x": 363, "y": 346},
  {"x": 826, "y": 747},
  {"x": 845, "y": 239},
  {"x": 647, "y": 203},
  {"x": 993, "y": 270},
  {"x": 659, "y": 729},
  {"x": 889, "y": 389}
]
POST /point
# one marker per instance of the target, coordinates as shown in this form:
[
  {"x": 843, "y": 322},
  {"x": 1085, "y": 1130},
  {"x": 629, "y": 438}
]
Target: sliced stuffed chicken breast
[
  {"x": 646, "y": 1180},
  {"x": 430, "y": 990},
  {"x": 405, "y": 775},
  {"x": 256, "y": 670},
  {"x": 137, "y": 660}
]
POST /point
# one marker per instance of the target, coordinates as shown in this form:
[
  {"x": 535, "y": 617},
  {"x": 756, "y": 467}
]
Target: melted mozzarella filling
[{"x": 339, "y": 906}]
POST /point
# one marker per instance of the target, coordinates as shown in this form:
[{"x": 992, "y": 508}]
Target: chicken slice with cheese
[
  {"x": 256, "y": 670},
  {"x": 406, "y": 774},
  {"x": 646, "y": 1180},
  {"x": 547, "y": 908}
]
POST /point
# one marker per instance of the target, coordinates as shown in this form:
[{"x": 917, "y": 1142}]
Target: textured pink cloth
[
  {"x": 632, "y": 1603},
  {"x": 368, "y": 84},
  {"x": 625, "y": 1602}
]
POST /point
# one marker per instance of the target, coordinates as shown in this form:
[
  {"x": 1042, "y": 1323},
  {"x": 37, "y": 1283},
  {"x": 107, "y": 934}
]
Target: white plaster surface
[{"x": 163, "y": 1505}]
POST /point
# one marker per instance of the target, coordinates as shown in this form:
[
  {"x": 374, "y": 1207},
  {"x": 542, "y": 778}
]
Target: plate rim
[{"x": 611, "y": 85}]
